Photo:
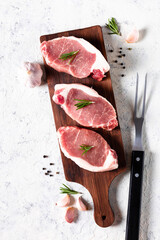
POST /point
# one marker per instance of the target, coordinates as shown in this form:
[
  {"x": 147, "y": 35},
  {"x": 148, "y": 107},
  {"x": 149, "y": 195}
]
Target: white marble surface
[{"x": 27, "y": 132}]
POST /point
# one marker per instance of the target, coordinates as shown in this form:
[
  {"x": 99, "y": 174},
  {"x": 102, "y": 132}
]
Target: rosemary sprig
[
  {"x": 112, "y": 25},
  {"x": 70, "y": 55},
  {"x": 85, "y": 148},
  {"x": 82, "y": 103},
  {"x": 67, "y": 190}
]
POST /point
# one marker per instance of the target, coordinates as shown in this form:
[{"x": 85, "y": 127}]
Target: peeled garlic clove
[
  {"x": 80, "y": 204},
  {"x": 71, "y": 214},
  {"x": 133, "y": 36},
  {"x": 34, "y": 73},
  {"x": 64, "y": 202}
]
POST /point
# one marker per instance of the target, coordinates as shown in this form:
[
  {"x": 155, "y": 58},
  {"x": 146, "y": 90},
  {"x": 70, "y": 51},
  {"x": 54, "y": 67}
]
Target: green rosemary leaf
[
  {"x": 85, "y": 148},
  {"x": 70, "y": 55},
  {"x": 82, "y": 103},
  {"x": 112, "y": 26},
  {"x": 67, "y": 190}
]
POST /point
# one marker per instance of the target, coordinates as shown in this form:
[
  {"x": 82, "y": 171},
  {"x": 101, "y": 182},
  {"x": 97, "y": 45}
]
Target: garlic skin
[
  {"x": 71, "y": 214},
  {"x": 64, "y": 202},
  {"x": 133, "y": 36},
  {"x": 80, "y": 204},
  {"x": 34, "y": 74}
]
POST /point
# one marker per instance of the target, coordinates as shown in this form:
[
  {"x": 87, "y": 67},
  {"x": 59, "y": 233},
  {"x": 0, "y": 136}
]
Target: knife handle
[{"x": 135, "y": 192}]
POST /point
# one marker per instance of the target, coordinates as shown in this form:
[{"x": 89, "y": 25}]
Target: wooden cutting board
[{"x": 97, "y": 183}]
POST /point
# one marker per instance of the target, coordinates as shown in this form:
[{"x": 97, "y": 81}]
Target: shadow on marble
[
  {"x": 72, "y": 200},
  {"x": 146, "y": 195},
  {"x": 147, "y": 176},
  {"x": 142, "y": 34},
  {"x": 88, "y": 205}
]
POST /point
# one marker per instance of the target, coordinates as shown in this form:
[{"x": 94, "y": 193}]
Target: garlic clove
[
  {"x": 133, "y": 36},
  {"x": 80, "y": 204},
  {"x": 71, "y": 214},
  {"x": 64, "y": 202}
]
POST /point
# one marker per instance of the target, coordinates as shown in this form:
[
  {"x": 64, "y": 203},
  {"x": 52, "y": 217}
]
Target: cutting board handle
[{"x": 99, "y": 191}]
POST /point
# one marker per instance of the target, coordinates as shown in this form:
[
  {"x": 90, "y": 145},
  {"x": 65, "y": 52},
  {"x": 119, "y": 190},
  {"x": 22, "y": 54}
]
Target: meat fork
[{"x": 136, "y": 176}]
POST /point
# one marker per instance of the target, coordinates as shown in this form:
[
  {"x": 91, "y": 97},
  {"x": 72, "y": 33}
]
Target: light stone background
[{"x": 27, "y": 131}]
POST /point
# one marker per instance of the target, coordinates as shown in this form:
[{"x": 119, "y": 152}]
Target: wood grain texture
[{"x": 97, "y": 183}]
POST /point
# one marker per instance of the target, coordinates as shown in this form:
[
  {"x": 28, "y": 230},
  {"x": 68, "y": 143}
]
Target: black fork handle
[{"x": 135, "y": 192}]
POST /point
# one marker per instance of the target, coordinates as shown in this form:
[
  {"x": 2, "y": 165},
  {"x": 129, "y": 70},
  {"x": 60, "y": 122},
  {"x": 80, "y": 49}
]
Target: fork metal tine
[
  {"x": 144, "y": 98},
  {"x": 135, "y": 106}
]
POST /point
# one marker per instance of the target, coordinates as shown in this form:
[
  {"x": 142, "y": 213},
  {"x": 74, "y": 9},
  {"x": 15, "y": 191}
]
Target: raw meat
[
  {"x": 88, "y": 60},
  {"x": 99, "y": 158},
  {"x": 99, "y": 114}
]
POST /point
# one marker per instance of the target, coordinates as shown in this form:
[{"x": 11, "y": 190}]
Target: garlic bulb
[{"x": 34, "y": 74}]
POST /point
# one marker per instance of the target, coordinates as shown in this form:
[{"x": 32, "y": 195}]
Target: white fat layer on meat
[
  {"x": 100, "y": 62},
  {"x": 110, "y": 163}
]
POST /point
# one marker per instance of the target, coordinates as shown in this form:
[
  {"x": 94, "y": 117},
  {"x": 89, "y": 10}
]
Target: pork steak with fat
[
  {"x": 99, "y": 158},
  {"x": 99, "y": 114},
  {"x": 88, "y": 60}
]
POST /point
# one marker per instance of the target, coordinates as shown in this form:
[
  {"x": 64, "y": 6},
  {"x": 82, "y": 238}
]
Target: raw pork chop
[
  {"x": 99, "y": 158},
  {"x": 99, "y": 114},
  {"x": 88, "y": 59}
]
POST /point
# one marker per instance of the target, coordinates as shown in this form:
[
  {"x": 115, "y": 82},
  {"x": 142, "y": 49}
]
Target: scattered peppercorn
[
  {"x": 57, "y": 172},
  {"x": 46, "y": 173},
  {"x": 129, "y": 48},
  {"x": 44, "y": 168},
  {"x": 51, "y": 175},
  {"x": 123, "y": 55},
  {"x": 45, "y": 156},
  {"x": 121, "y": 63},
  {"x": 51, "y": 164},
  {"x": 124, "y": 67},
  {"x": 115, "y": 61},
  {"x": 122, "y": 75},
  {"x": 49, "y": 171},
  {"x": 111, "y": 50},
  {"x": 119, "y": 56},
  {"x": 120, "y": 48},
  {"x": 120, "y": 51}
]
